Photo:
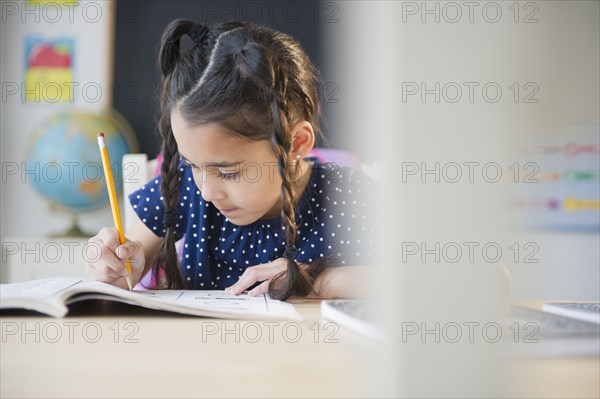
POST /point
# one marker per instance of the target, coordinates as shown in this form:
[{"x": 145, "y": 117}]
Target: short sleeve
[
  {"x": 351, "y": 216},
  {"x": 340, "y": 218},
  {"x": 147, "y": 203}
]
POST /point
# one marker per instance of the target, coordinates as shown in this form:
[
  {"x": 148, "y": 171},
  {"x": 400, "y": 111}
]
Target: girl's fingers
[
  {"x": 261, "y": 289},
  {"x": 101, "y": 272},
  {"x": 255, "y": 274},
  {"x": 136, "y": 255},
  {"x": 131, "y": 250},
  {"x": 109, "y": 237},
  {"x": 103, "y": 259},
  {"x": 250, "y": 276}
]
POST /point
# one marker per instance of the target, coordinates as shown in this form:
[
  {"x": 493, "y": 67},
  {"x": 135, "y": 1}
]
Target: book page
[
  {"x": 50, "y": 296},
  {"x": 43, "y": 295},
  {"x": 38, "y": 289},
  {"x": 222, "y": 301}
]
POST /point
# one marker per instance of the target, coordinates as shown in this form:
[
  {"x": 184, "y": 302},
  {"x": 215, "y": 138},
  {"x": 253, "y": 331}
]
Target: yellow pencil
[{"x": 114, "y": 205}]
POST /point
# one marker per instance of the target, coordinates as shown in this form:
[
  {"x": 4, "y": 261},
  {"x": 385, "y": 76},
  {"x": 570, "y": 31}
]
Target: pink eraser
[{"x": 100, "y": 134}]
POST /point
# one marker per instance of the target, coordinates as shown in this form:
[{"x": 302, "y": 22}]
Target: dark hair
[{"x": 255, "y": 82}]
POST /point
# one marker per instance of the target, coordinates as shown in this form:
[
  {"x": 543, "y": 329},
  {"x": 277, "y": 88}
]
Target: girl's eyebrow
[
  {"x": 212, "y": 164},
  {"x": 221, "y": 164}
]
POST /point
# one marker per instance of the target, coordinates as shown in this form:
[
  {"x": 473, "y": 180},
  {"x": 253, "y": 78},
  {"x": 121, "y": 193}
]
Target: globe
[{"x": 64, "y": 157}]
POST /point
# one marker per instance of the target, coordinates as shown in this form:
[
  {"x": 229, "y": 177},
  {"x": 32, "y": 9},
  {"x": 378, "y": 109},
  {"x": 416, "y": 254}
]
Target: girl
[{"x": 239, "y": 115}]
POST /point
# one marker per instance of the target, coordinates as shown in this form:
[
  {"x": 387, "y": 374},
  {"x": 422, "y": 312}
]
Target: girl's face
[{"x": 239, "y": 177}]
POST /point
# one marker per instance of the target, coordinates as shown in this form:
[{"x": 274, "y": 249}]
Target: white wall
[
  {"x": 23, "y": 211},
  {"x": 385, "y": 44},
  {"x": 560, "y": 53}
]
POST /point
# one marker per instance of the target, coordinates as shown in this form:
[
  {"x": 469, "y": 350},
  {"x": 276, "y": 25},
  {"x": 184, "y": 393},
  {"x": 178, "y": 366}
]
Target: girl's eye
[{"x": 228, "y": 176}]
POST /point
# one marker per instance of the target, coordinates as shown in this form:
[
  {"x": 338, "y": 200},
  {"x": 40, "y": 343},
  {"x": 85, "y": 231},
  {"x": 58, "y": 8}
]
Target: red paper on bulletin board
[{"x": 49, "y": 70}]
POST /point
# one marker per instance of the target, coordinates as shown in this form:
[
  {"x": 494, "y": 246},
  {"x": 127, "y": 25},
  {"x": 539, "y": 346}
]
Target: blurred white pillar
[
  {"x": 398, "y": 79},
  {"x": 444, "y": 93}
]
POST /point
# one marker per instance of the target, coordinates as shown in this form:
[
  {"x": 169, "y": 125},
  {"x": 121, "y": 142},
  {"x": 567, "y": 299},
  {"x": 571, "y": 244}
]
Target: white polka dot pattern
[{"x": 331, "y": 217}]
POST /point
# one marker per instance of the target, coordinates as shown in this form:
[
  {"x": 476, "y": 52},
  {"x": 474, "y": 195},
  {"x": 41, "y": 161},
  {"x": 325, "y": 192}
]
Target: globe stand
[{"x": 73, "y": 231}]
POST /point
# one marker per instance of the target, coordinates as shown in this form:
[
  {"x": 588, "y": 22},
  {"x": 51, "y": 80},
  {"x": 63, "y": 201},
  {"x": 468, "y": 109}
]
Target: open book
[{"x": 53, "y": 295}]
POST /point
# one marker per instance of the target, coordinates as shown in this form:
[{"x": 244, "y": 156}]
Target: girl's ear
[{"x": 303, "y": 139}]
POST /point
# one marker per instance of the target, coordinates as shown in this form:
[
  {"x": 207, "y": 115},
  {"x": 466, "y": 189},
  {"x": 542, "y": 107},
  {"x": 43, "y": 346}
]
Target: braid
[
  {"x": 294, "y": 281},
  {"x": 169, "y": 188}
]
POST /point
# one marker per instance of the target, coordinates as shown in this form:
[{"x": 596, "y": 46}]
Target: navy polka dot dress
[{"x": 332, "y": 219}]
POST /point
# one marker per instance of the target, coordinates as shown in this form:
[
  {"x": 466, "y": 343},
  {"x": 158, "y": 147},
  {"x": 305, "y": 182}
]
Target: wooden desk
[
  {"x": 161, "y": 355},
  {"x": 563, "y": 377},
  {"x": 180, "y": 356},
  {"x": 555, "y": 378}
]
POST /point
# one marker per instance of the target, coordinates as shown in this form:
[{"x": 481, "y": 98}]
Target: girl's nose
[{"x": 211, "y": 189}]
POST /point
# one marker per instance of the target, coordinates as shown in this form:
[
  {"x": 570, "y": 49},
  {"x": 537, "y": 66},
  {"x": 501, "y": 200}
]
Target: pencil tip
[{"x": 129, "y": 285}]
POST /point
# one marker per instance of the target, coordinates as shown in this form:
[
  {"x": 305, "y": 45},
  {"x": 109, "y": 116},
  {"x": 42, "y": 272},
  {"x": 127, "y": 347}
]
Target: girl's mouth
[{"x": 227, "y": 210}]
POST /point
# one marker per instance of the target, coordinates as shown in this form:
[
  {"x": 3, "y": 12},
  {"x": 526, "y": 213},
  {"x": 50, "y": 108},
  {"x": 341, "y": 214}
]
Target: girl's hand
[
  {"x": 254, "y": 274},
  {"x": 333, "y": 282},
  {"x": 105, "y": 258}
]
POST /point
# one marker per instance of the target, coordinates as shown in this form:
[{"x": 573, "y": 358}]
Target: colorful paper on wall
[
  {"x": 560, "y": 188},
  {"x": 57, "y": 2},
  {"x": 49, "y": 70}
]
